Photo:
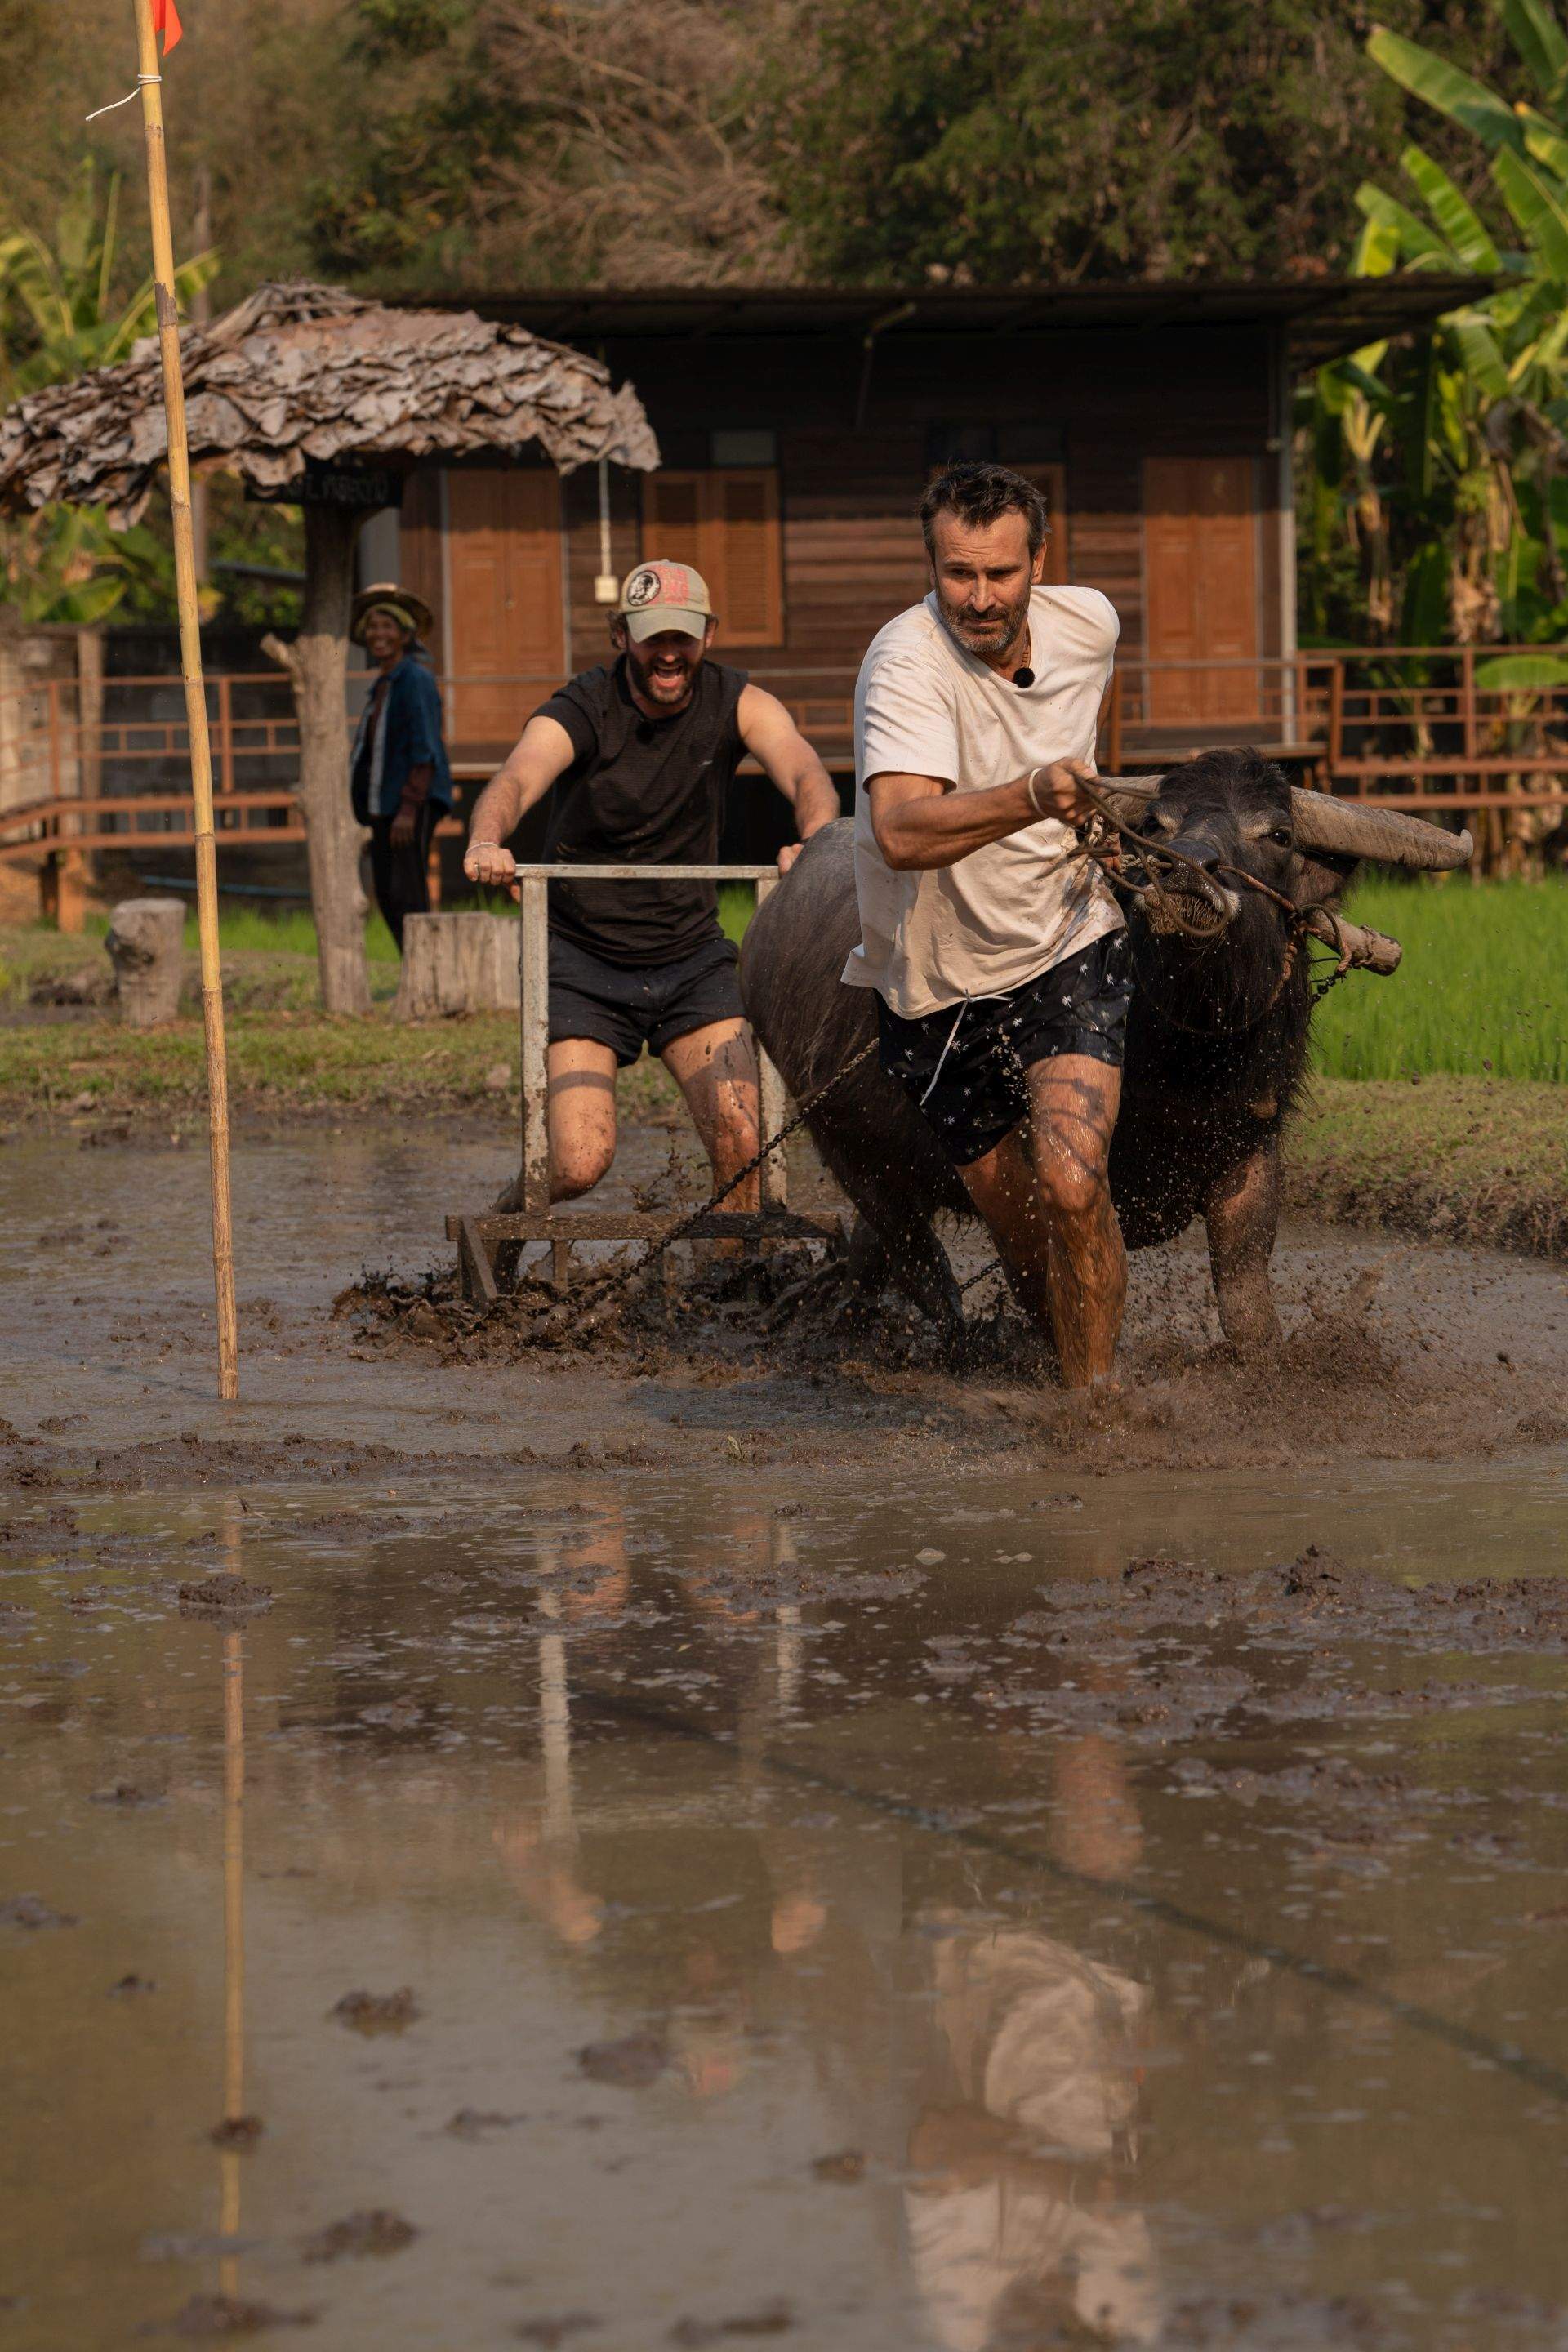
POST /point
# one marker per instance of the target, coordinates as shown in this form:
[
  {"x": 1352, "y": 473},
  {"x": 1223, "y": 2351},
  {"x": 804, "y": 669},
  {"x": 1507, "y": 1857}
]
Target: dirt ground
[{"x": 741, "y": 1830}]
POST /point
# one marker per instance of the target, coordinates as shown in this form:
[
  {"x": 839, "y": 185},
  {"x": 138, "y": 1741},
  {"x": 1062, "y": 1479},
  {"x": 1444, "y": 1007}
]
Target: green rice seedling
[{"x": 1483, "y": 988}]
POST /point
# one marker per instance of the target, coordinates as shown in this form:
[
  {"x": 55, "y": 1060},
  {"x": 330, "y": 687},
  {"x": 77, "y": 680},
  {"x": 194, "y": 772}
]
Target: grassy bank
[
  {"x": 1482, "y": 991},
  {"x": 1481, "y": 1160}
]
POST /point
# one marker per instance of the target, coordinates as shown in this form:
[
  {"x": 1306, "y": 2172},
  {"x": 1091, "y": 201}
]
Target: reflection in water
[
  {"x": 1025, "y": 2131},
  {"x": 1026, "y": 2128},
  {"x": 1021, "y": 2136},
  {"x": 839, "y": 1881},
  {"x": 230, "y": 2158}
]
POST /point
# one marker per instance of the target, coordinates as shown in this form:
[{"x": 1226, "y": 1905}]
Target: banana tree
[
  {"x": 59, "y": 316},
  {"x": 1468, "y": 464}
]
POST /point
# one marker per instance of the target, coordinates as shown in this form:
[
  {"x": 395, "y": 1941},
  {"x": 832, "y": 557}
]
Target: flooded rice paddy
[{"x": 485, "y": 1860}]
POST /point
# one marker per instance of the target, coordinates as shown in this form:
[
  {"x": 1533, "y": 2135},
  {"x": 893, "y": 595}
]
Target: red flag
[{"x": 166, "y": 20}]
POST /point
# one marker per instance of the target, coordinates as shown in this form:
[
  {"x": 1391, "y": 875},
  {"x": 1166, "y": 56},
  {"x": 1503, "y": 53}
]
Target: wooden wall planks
[{"x": 1098, "y": 405}]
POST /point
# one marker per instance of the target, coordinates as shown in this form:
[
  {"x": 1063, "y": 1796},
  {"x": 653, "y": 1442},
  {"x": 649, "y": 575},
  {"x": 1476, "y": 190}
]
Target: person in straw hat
[{"x": 398, "y": 776}]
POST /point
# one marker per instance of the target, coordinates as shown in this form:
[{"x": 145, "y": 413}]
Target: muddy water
[
  {"x": 1395, "y": 1351},
  {"x": 783, "y": 1909}
]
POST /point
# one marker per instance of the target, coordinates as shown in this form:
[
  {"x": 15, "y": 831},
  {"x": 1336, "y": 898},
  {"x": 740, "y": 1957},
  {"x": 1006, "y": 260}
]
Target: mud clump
[
  {"x": 225, "y": 1597},
  {"x": 31, "y": 1912},
  {"x": 631, "y": 2063},
  {"x": 238, "y": 2134},
  {"x": 473, "y": 2123},
  {"x": 377, "y": 2232},
  {"x": 377, "y": 2013},
  {"x": 771, "y": 2319},
  {"x": 208, "y": 2317}
]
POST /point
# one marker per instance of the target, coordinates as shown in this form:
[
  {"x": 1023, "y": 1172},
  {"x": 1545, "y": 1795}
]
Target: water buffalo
[{"x": 1217, "y": 1040}]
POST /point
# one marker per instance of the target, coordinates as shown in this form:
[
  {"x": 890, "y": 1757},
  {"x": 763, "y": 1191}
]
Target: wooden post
[
  {"x": 317, "y": 663},
  {"x": 1468, "y": 710},
  {"x": 146, "y": 945},
  {"x": 150, "y": 81},
  {"x": 771, "y": 1105},
  {"x": 534, "y": 971},
  {"x": 1336, "y": 718},
  {"x": 89, "y": 727},
  {"x": 225, "y": 733}
]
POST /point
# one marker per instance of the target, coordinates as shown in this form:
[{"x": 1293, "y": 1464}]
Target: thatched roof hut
[
  {"x": 302, "y": 372},
  {"x": 297, "y": 388}
]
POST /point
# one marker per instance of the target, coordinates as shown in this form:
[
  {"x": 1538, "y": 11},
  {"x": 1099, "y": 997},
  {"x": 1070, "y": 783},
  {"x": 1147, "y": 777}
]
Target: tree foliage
[
  {"x": 553, "y": 141},
  {"x": 1442, "y": 468},
  {"x": 60, "y": 314},
  {"x": 1098, "y": 138}
]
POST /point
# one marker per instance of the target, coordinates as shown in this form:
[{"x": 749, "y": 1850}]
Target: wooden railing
[{"x": 1409, "y": 726}]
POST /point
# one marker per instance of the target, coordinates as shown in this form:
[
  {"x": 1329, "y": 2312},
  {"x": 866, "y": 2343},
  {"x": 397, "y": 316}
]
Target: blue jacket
[{"x": 410, "y": 738}]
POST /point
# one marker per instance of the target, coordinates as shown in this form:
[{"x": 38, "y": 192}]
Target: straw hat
[{"x": 386, "y": 595}]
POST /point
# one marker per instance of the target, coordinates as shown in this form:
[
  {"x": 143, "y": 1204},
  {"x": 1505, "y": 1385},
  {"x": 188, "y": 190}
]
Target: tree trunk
[
  {"x": 457, "y": 963},
  {"x": 317, "y": 663},
  {"x": 146, "y": 945}
]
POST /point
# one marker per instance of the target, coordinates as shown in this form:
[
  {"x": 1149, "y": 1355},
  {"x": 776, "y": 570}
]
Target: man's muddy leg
[
  {"x": 1003, "y": 1188},
  {"x": 581, "y": 1097},
  {"x": 716, "y": 1069},
  {"x": 1242, "y": 1211},
  {"x": 1045, "y": 1193}
]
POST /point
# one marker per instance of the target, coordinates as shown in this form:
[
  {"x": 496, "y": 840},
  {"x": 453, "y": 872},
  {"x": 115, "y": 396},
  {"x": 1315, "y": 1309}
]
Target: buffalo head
[{"x": 1221, "y": 841}]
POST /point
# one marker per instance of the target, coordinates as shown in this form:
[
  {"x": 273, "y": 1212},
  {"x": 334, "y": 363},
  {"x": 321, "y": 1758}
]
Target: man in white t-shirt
[{"x": 998, "y": 959}]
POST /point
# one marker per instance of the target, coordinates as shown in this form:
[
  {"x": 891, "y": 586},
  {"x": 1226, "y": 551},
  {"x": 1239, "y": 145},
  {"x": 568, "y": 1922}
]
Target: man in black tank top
[{"x": 639, "y": 758}]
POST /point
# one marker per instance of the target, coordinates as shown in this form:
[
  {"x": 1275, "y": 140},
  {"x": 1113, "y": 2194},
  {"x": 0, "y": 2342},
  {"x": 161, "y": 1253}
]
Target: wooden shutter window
[
  {"x": 744, "y": 522},
  {"x": 672, "y": 518},
  {"x": 726, "y": 522}
]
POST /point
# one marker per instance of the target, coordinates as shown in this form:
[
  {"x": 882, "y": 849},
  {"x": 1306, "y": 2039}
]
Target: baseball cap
[{"x": 662, "y": 596}]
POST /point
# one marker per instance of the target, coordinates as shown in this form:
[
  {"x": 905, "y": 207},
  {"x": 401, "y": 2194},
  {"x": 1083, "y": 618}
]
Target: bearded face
[
  {"x": 663, "y": 668},
  {"x": 982, "y": 573}
]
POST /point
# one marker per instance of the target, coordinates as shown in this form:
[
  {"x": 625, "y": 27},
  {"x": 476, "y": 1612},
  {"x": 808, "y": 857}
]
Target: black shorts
[
  {"x": 964, "y": 1067},
  {"x": 628, "y": 1007}
]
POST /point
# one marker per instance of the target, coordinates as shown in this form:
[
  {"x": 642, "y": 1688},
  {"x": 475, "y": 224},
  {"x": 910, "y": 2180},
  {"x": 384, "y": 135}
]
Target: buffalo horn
[
  {"x": 1127, "y": 796},
  {"x": 1346, "y": 828},
  {"x": 1361, "y": 829}
]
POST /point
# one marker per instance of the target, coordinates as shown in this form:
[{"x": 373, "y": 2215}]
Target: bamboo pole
[{"x": 151, "y": 83}]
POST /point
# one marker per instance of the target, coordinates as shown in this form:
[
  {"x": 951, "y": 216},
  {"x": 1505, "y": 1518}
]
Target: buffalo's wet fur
[{"x": 1218, "y": 1042}]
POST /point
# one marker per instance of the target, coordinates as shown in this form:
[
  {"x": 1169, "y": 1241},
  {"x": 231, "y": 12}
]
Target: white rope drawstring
[
  {"x": 987, "y": 996},
  {"x": 140, "y": 81}
]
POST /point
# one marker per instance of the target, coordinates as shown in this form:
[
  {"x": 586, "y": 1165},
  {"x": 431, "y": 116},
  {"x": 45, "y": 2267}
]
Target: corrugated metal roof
[{"x": 1322, "y": 316}]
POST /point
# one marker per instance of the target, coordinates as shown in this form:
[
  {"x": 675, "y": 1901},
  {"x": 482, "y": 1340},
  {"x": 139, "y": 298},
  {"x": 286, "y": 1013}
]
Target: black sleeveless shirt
[{"x": 645, "y": 791}]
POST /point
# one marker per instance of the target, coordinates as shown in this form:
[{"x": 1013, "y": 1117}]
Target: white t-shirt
[{"x": 924, "y": 706}]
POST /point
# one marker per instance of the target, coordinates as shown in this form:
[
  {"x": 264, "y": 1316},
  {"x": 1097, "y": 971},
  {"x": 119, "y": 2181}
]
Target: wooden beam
[
  {"x": 479, "y": 1275},
  {"x": 647, "y": 873},
  {"x": 534, "y": 1016},
  {"x": 772, "y": 1102}
]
